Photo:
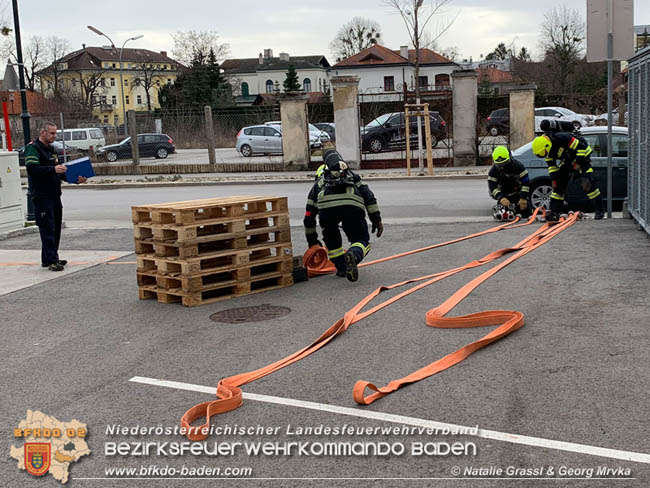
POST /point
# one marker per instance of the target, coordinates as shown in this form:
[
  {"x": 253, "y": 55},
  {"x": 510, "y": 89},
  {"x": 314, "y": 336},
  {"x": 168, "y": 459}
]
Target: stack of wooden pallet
[{"x": 202, "y": 251}]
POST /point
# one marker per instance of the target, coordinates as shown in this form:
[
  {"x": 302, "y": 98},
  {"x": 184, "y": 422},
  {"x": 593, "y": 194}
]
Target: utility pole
[{"x": 24, "y": 115}]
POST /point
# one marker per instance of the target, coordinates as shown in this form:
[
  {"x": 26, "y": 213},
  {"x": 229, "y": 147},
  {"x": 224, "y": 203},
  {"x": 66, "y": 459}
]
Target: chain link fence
[{"x": 639, "y": 133}]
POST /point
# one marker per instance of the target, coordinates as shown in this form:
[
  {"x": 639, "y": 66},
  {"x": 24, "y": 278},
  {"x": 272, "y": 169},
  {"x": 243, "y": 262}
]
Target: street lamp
[{"x": 134, "y": 38}]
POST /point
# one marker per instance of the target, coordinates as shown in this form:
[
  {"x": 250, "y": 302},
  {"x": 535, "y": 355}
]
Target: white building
[
  {"x": 251, "y": 77},
  {"x": 383, "y": 70}
]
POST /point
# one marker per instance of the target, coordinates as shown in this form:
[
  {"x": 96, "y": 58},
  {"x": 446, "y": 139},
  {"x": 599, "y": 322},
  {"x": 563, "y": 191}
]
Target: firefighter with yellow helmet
[
  {"x": 508, "y": 182},
  {"x": 567, "y": 154}
]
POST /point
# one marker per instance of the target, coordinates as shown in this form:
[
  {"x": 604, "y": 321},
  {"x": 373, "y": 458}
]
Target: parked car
[
  {"x": 499, "y": 122},
  {"x": 70, "y": 152},
  {"x": 602, "y": 118},
  {"x": 540, "y": 183},
  {"x": 82, "y": 138},
  {"x": 329, "y": 128},
  {"x": 561, "y": 113},
  {"x": 156, "y": 145},
  {"x": 388, "y": 131},
  {"x": 266, "y": 139},
  {"x": 313, "y": 130}
]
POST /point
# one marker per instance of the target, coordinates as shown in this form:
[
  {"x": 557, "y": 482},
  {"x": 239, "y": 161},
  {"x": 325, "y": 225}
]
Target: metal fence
[{"x": 639, "y": 129}]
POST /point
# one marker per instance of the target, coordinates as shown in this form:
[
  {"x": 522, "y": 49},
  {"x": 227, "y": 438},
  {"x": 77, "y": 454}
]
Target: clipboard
[{"x": 78, "y": 167}]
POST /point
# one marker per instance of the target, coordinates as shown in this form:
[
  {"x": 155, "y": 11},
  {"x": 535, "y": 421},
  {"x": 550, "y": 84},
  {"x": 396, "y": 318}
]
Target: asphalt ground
[{"x": 577, "y": 372}]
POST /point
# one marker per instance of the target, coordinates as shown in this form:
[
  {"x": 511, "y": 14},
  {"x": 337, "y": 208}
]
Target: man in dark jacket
[
  {"x": 340, "y": 197},
  {"x": 46, "y": 174}
]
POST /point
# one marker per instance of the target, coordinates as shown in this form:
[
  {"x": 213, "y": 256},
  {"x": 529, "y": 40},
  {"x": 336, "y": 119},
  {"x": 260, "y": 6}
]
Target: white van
[{"x": 83, "y": 138}]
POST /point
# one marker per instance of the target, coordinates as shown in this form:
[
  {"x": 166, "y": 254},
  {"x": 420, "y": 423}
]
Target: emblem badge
[{"x": 37, "y": 457}]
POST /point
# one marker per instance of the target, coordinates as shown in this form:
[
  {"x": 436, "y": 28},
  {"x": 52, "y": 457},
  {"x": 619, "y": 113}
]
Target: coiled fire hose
[{"x": 229, "y": 393}]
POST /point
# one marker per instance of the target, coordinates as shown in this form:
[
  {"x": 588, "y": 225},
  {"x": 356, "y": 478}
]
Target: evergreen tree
[{"x": 291, "y": 83}]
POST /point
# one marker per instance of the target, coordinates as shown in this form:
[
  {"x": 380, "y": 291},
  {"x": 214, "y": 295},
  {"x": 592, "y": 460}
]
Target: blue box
[{"x": 78, "y": 167}]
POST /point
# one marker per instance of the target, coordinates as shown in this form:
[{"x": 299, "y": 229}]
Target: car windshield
[
  {"x": 313, "y": 128},
  {"x": 124, "y": 141},
  {"x": 379, "y": 121}
]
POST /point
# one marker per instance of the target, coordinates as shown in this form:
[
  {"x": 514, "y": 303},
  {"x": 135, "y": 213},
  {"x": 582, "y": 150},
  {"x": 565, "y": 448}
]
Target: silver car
[
  {"x": 259, "y": 139},
  {"x": 313, "y": 131}
]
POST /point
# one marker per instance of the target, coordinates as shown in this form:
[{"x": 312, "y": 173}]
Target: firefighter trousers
[
  {"x": 584, "y": 174},
  {"x": 355, "y": 226}
]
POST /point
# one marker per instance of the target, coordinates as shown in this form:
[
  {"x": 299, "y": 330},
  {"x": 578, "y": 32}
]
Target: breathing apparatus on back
[{"x": 336, "y": 172}]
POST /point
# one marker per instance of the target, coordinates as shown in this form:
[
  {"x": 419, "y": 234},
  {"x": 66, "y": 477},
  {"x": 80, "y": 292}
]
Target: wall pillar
[
  {"x": 295, "y": 133},
  {"x": 465, "y": 91},
  {"x": 346, "y": 118},
  {"x": 522, "y": 115}
]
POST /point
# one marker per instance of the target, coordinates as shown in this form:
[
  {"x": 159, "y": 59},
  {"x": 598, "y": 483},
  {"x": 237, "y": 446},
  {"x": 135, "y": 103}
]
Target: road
[{"x": 401, "y": 202}]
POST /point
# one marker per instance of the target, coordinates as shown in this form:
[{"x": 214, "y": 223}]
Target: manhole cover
[{"x": 250, "y": 314}]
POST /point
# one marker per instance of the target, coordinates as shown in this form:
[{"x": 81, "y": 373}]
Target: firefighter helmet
[
  {"x": 500, "y": 155},
  {"x": 541, "y": 146}
]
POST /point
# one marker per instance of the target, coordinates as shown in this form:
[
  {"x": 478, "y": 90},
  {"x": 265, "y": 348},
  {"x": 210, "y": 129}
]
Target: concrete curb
[
  {"x": 162, "y": 184},
  {"x": 19, "y": 232}
]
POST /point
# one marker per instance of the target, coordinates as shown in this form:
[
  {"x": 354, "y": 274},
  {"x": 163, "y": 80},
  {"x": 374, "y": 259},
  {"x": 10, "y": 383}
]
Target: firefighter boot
[
  {"x": 598, "y": 208},
  {"x": 351, "y": 270}
]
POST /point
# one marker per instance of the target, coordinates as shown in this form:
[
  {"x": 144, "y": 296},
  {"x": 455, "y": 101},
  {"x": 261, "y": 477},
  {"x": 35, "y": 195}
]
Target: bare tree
[
  {"x": 33, "y": 57},
  {"x": 355, "y": 36},
  {"x": 563, "y": 34},
  {"x": 90, "y": 85},
  {"x": 145, "y": 79},
  {"x": 416, "y": 16},
  {"x": 55, "y": 49},
  {"x": 192, "y": 46}
]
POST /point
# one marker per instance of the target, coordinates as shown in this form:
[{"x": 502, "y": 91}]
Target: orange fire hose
[{"x": 229, "y": 393}]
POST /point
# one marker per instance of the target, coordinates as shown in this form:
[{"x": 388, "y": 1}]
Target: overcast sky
[{"x": 292, "y": 26}]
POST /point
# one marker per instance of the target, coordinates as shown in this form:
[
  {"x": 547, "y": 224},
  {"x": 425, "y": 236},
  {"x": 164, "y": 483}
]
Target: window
[
  {"x": 114, "y": 66},
  {"x": 106, "y": 119},
  {"x": 115, "y": 119},
  {"x": 96, "y": 133},
  {"x": 269, "y": 86},
  {"x": 164, "y": 66},
  {"x": 247, "y": 132},
  {"x": 79, "y": 135},
  {"x": 114, "y": 100},
  {"x": 127, "y": 100},
  {"x": 139, "y": 99},
  {"x": 244, "y": 89},
  {"x": 126, "y": 82},
  {"x": 619, "y": 146},
  {"x": 306, "y": 85},
  {"x": 270, "y": 131},
  {"x": 112, "y": 81},
  {"x": 389, "y": 83},
  {"x": 103, "y": 100},
  {"x": 102, "y": 82},
  {"x": 257, "y": 131},
  {"x": 594, "y": 141},
  {"x": 423, "y": 81},
  {"x": 169, "y": 81},
  {"x": 442, "y": 80}
]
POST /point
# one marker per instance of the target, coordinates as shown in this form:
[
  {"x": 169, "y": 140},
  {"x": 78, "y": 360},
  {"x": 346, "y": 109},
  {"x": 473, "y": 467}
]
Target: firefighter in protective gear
[
  {"x": 340, "y": 197},
  {"x": 567, "y": 155},
  {"x": 508, "y": 181}
]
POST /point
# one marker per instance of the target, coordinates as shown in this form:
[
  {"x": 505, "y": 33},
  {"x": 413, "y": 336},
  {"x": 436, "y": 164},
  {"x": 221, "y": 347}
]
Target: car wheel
[
  {"x": 161, "y": 153},
  {"x": 541, "y": 195},
  {"x": 494, "y": 131},
  {"x": 434, "y": 141},
  {"x": 246, "y": 151},
  {"x": 376, "y": 144},
  {"x": 111, "y": 156}
]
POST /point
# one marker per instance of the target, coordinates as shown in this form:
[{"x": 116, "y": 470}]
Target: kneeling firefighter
[
  {"x": 508, "y": 182},
  {"x": 340, "y": 197}
]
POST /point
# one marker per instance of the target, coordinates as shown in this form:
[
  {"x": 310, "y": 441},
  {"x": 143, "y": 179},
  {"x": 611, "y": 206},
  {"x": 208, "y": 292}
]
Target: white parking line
[{"x": 637, "y": 457}]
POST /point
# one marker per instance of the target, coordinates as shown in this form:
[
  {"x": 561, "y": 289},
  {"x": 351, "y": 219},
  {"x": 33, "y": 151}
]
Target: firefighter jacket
[
  {"x": 567, "y": 149},
  {"x": 325, "y": 197},
  {"x": 511, "y": 180}
]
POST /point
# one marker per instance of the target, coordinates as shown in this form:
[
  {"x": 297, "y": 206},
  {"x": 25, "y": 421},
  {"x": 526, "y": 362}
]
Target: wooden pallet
[
  {"x": 192, "y": 211},
  {"x": 213, "y": 262},
  {"x": 210, "y": 227},
  {"x": 260, "y": 284}
]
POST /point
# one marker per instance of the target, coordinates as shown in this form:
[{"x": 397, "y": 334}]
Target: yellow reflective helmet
[
  {"x": 500, "y": 155},
  {"x": 541, "y": 146}
]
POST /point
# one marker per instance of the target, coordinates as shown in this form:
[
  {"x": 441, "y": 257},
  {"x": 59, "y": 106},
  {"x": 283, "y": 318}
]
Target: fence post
[
  {"x": 133, "y": 132},
  {"x": 209, "y": 133}
]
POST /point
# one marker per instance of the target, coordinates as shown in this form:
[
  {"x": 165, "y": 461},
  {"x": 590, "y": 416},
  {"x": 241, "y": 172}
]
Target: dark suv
[
  {"x": 388, "y": 132},
  {"x": 157, "y": 145},
  {"x": 498, "y": 122}
]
